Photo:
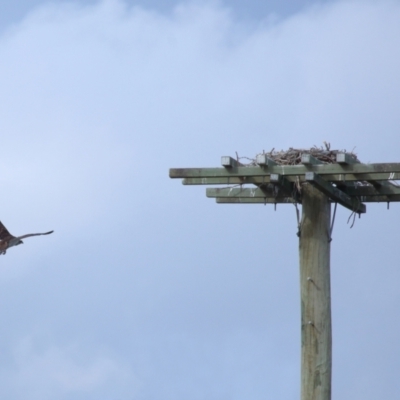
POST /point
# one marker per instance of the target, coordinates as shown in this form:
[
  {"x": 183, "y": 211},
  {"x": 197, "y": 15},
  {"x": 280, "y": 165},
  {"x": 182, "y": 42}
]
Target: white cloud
[{"x": 99, "y": 101}]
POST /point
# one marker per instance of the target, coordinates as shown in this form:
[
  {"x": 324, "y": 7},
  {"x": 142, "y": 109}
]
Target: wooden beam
[
  {"x": 241, "y": 192},
  {"x": 289, "y": 170},
  {"x": 334, "y": 193},
  {"x": 277, "y": 186},
  {"x": 265, "y": 161},
  {"x": 270, "y": 199},
  {"x": 389, "y": 189},
  {"x": 339, "y": 179},
  {"x": 229, "y": 162},
  {"x": 361, "y": 177},
  {"x": 372, "y": 194},
  {"x": 255, "y": 200},
  {"x": 346, "y": 159},
  {"x": 308, "y": 159},
  {"x": 282, "y": 182},
  {"x": 316, "y": 326},
  {"x": 380, "y": 199},
  {"x": 227, "y": 181}
]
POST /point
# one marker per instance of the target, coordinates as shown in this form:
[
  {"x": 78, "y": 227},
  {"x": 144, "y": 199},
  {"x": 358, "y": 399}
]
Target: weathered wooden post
[
  {"x": 316, "y": 331},
  {"x": 314, "y": 178}
]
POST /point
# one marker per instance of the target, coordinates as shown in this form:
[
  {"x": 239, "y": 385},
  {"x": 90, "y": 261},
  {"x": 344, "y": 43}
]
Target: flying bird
[{"x": 7, "y": 240}]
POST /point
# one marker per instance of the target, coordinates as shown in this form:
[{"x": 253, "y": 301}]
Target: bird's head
[{"x": 19, "y": 242}]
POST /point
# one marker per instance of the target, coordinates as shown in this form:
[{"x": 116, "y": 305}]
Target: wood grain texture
[{"x": 316, "y": 329}]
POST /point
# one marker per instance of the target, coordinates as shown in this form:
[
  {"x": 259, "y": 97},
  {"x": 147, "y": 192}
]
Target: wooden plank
[
  {"x": 277, "y": 186},
  {"x": 256, "y": 195},
  {"x": 227, "y": 181},
  {"x": 288, "y": 170},
  {"x": 255, "y": 200},
  {"x": 339, "y": 179},
  {"x": 240, "y": 192},
  {"x": 380, "y": 199},
  {"x": 217, "y": 172},
  {"x": 335, "y": 194},
  {"x": 315, "y": 292},
  {"x": 362, "y": 177},
  {"x": 245, "y": 199},
  {"x": 389, "y": 189}
]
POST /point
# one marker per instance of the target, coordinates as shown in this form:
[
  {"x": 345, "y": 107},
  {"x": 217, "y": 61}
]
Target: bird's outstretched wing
[
  {"x": 34, "y": 234},
  {"x": 4, "y": 234}
]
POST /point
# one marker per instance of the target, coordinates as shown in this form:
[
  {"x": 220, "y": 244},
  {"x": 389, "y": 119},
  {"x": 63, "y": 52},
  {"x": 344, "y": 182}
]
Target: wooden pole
[{"x": 316, "y": 329}]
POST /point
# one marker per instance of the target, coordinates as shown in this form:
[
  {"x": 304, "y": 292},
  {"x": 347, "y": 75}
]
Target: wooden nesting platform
[{"x": 271, "y": 178}]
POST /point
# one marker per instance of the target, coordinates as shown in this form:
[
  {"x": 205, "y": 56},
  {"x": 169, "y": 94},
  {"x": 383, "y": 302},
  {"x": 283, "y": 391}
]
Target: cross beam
[
  {"x": 367, "y": 194},
  {"x": 257, "y": 180},
  {"x": 389, "y": 171},
  {"x": 347, "y": 182}
]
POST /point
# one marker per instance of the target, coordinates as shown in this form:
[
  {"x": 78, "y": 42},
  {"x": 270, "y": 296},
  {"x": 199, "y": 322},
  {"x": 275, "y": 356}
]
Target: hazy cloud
[
  {"x": 97, "y": 103},
  {"x": 45, "y": 371}
]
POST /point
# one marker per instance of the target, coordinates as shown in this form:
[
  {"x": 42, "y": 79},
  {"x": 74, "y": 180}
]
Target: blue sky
[
  {"x": 147, "y": 289},
  {"x": 251, "y": 10}
]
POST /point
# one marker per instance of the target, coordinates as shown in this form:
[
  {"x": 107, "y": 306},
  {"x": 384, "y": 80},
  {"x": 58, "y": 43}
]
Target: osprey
[{"x": 7, "y": 240}]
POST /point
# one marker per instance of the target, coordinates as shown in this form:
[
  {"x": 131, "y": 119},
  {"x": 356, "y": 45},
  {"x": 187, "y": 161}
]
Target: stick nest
[{"x": 293, "y": 156}]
